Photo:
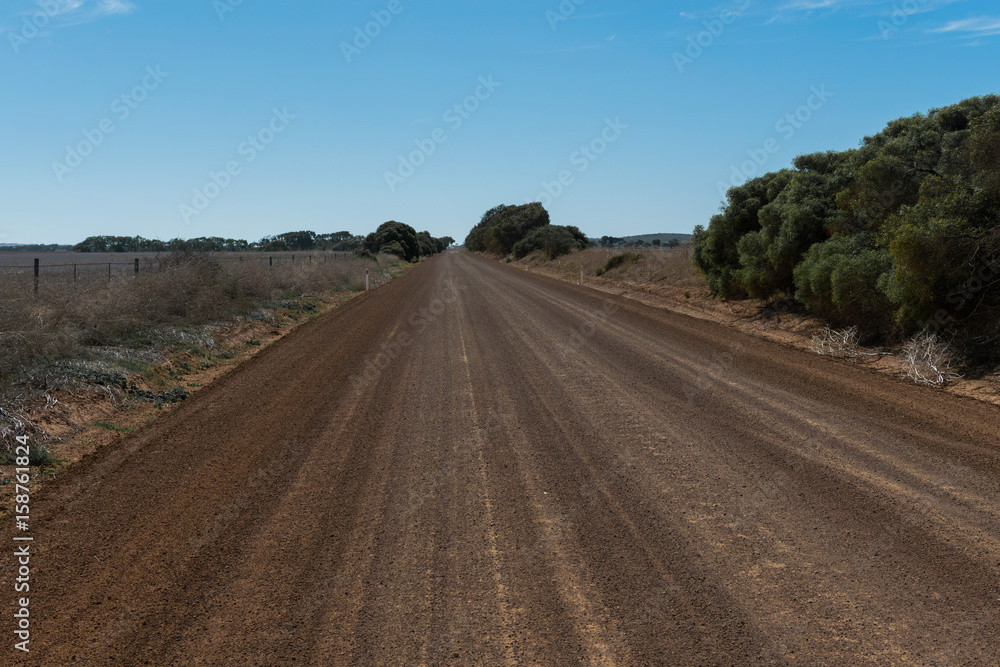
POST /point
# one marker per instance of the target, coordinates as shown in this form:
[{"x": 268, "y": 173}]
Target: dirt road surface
[{"x": 474, "y": 465}]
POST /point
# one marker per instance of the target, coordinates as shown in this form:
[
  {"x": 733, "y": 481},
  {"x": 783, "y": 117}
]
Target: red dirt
[{"x": 539, "y": 474}]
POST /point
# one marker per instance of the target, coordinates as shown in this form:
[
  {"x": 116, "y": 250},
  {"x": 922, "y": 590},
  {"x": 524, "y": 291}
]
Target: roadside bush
[
  {"x": 394, "y": 248},
  {"x": 503, "y": 226},
  {"x": 716, "y": 251},
  {"x": 840, "y": 279},
  {"x": 38, "y": 455},
  {"x": 553, "y": 240},
  {"x": 896, "y": 236},
  {"x": 619, "y": 260},
  {"x": 395, "y": 238}
]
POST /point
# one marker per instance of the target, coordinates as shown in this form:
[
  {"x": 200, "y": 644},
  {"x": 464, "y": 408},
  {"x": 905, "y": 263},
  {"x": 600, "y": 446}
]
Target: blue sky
[{"x": 241, "y": 119}]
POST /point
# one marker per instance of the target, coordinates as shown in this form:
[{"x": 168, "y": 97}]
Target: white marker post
[{"x": 366, "y": 280}]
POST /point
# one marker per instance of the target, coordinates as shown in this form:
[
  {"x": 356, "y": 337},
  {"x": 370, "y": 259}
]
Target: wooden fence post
[{"x": 36, "y": 275}]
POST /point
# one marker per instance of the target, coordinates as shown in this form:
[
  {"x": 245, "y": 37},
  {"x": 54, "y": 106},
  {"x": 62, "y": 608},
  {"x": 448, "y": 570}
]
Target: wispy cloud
[
  {"x": 116, "y": 7},
  {"x": 75, "y": 12},
  {"x": 799, "y": 6},
  {"x": 808, "y": 5},
  {"x": 875, "y": 7},
  {"x": 59, "y": 8},
  {"x": 978, "y": 27}
]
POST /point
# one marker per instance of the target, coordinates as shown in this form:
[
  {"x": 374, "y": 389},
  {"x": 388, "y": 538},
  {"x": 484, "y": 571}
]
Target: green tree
[
  {"x": 716, "y": 251},
  {"x": 394, "y": 232},
  {"x": 503, "y": 226}
]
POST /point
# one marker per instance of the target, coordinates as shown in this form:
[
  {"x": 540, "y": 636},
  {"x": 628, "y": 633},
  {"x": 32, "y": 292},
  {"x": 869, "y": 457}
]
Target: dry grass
[
  {"x": 106, "y": 328},
  {"x": 671, "y": 266}
]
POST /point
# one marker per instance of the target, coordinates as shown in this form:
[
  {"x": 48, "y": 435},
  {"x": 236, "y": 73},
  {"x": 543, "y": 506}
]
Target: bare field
[{"x": 85, "y": 265}]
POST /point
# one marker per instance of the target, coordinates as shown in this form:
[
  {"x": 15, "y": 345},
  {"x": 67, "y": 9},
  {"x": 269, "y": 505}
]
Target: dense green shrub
[
  {"x": 553, "y": 240},
  {"x": 394, "y": 238},
  {"x": 715, "y": 249},
  {"x": 898, "y": 235},
  {"x": 503, "y": 226},
  {"x": 840, "y": 279}
]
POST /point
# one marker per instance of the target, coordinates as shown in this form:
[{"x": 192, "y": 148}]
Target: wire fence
[{"x": 39, "y": 272}]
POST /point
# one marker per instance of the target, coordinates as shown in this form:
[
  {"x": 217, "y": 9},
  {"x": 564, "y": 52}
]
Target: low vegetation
[
  {"x": 664, "y": 266},
  {"x": 94, "y": 334},
  {"x": 618, "y": 260}
]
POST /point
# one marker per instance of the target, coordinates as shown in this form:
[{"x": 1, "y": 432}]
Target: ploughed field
[{"x": 476, "y": 465}]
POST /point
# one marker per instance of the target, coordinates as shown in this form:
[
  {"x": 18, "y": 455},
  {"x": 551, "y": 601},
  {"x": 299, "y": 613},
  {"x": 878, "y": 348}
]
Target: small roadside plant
[
  {"x": 622, "y": 259},
  {"x": 928, "y": 360},
  {"x": 39, "y": 456}
]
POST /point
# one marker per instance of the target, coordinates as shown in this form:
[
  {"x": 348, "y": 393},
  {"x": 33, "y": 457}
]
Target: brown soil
[
  {"x": 476, "y": 465},
  {"x": 79, "y": 422},
  {"x": 758, "y": 319}
]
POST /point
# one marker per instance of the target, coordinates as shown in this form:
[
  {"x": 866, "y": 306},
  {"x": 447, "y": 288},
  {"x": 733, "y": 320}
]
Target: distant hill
[{"x": 664, "y": 238}]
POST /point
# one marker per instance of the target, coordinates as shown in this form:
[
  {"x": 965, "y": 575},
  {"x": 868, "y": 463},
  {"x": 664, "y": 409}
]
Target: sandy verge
[{"x": 752, "y": 317}]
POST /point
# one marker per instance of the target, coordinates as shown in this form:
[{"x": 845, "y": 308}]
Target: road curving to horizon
[{"x": 475, "y": 465}]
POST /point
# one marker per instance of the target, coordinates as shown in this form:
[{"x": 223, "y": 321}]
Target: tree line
[
  {"x": 899, "y": 235},
  {"x": 305, "y": 240},
  {"x": 391, "y": 237}
]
